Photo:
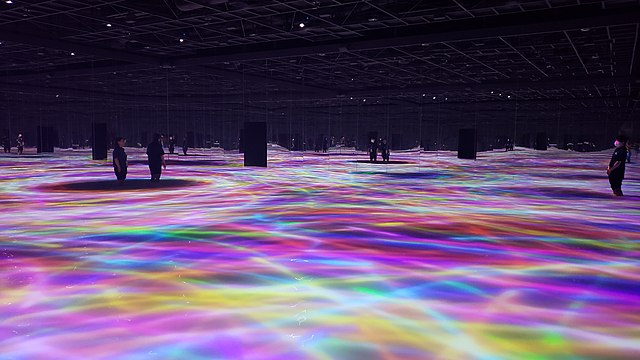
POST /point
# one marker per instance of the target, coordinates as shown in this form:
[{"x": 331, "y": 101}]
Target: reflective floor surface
[{"x": 519, "y": 255}]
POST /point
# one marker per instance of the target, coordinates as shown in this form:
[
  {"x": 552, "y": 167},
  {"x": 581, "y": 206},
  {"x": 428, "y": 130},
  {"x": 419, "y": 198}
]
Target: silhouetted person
[
  {"x": 7, "y": 144},
  {"x": 384, "y": 150},
  {"x": 616, "y": 165},
  {"x": 20, "y": 142},
  {"x": 185, "y": 146},
  {"x": 172, "y": 144},
  {"x": 628, "y": 151},
  {"x": 120, "y": 163},
  {"x": 373, "y": 150},
  {"x": 325, "y": 145},
  {"x": 155, "y": 154}
]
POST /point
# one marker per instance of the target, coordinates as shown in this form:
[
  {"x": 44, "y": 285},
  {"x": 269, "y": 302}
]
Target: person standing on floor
[
  {"x": 120, "y": 163},
  {"x": 616, "y": 165},
  {"x": 20, "y": 142},
  {"x": 373, "y": 151},
  {"x": 155, "y": 154},
  {"x": 384, "y": 150},
  {"x": 628, "y": 151},
  {"x": 7, "y": 144},
  {"x": 185, "y": 146},
  {"x": 172, "y": 144}
]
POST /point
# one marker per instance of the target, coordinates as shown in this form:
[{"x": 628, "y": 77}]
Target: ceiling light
[
  {"x": 181, "y": 40},
  {"x": 351, "y": 98},
  {"x": 364, "y": 100},
  {"x": 373, "y": 19},
  {"x": 434, "y": 98},
  {"x": 492, "y": 92},
  {"x": 508, "y": 96},
  {"x": 424, "y": 95},
  {"x": 9, "y": 2},
  {"x": 301, "y": 25},
  {"x": 73, "y": 54}
]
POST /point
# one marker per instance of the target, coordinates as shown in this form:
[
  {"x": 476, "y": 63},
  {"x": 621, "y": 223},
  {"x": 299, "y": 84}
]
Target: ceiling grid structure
[{"x": 326, "y": 50}]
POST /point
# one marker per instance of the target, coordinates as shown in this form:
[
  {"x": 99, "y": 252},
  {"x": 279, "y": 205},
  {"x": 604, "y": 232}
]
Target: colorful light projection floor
[{"x": 518, "y": 255}]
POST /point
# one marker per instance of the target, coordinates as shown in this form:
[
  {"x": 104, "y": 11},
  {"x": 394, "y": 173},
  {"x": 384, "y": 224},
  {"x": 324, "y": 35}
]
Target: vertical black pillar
[
  {"x": 255, "y": 144},
  {"x": 99, "y": 148},
  {"x": 467, "y": 144},
  {"x": 541, "y": 141},
  {"x": 45, "y": 139}
]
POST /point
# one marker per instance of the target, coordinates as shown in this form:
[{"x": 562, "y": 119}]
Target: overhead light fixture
[
  {"x": 508, "y": 96},
  {"x": 301, "y": 25},
  {"x": 373, "y": 19},
  {"x": 364, "y": 100},
  {"x": 73, "y": 54},
  {"x": 423, "y": 95},
  {"x": 351, "y": 98},
  {"x": 9, "y": 2},
  {"x": 434, "y": 98},
  {"x": 181, "y": 40},
  {"x": 491, "y": 92},
  {"x": 108, "y": 25}
]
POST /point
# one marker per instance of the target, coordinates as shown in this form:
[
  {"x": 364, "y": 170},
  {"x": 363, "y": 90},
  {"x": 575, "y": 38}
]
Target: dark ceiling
[{"x": 217, "y": 51}]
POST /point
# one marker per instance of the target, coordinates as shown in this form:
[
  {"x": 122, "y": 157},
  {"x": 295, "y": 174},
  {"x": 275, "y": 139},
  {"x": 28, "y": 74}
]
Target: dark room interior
[{"x": 330, "y": 179}]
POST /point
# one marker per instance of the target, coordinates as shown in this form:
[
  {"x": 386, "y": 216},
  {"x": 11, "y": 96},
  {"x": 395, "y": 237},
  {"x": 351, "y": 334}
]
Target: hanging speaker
[
  {"x": 467, "y": 144},
  {"x": 99, "y": 149},
  {"x": 541, "y": 141},
  {"x": 45, "y": 139},
  {"x": 255, "y": 144}
]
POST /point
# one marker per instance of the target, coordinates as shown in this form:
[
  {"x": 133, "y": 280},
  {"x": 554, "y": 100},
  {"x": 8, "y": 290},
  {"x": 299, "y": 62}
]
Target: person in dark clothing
[
  {"x": 172, "y": 144},
  {"x": 120, "y": 163},
  {"x": 7, "y": 144},
  {"x": 616, "y": 165},
  {"x": 373, "y": 150},
  {"x": 384, "y": 150},
  {"x": 185, "y": 146},
  {"x": 155, "y": 154},
  {"x": 20, "y": 142},
  {"x": 325, "y": 145}
]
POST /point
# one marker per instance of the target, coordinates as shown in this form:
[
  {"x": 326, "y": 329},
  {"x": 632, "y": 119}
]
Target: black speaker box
[
  {"x": 100, "y": 142},
  {"x": 45, "y": 139},
  {"x": 255, "y": 144},
  {"x": 541, "y": 141},
  {"x": 467, "y": 144}
]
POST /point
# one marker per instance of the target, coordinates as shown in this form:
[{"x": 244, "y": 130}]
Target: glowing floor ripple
[{"x": 521, "y": 255}]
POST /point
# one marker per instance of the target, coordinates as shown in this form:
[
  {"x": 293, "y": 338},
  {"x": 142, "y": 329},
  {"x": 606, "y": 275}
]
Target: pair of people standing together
[{"x": 155, "y": 154}]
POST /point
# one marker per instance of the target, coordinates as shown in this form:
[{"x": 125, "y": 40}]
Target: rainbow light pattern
[{"x": 519, "y": 255}]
